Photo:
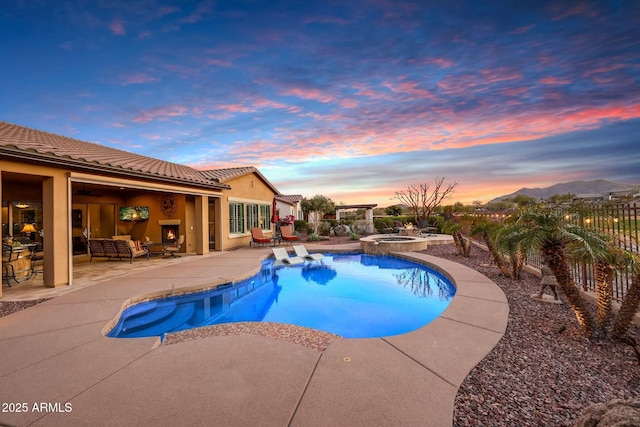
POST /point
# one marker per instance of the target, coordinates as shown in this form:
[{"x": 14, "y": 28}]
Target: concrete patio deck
[{"x": 55, "y": 353}]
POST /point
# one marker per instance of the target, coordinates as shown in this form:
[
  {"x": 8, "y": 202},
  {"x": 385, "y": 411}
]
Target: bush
[
  {"x": 300, "y": 225},
  {"x": 354, "y": 236},
  {"x": 324, "y": 228},
  {"x": 313, "y": 237},
  {"x": 382, "y": 224}
]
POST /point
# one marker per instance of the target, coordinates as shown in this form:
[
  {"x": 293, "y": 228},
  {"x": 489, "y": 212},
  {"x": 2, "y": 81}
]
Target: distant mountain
[{"x": 579, "y": 188}]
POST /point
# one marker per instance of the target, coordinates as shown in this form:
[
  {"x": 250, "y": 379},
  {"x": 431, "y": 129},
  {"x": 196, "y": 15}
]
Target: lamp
[
  {"x": 21, "y": 205},
  {"x": 28, "y": 228}
]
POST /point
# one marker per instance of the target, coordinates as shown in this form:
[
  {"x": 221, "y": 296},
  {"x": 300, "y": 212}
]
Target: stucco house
[
  {"x": 289, "y": 204},
  {"x": 70, "y": 190}
]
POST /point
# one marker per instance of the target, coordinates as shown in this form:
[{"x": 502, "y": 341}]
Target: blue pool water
[{"x": 352, "y": 295}]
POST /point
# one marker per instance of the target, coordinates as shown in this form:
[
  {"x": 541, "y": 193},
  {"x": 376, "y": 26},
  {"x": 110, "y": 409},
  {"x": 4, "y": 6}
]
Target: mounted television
[{"x": 134, "y": 213}]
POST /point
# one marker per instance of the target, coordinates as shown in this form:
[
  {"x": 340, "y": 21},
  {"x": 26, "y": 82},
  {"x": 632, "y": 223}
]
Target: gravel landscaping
[{"x": 542, "y": 372}]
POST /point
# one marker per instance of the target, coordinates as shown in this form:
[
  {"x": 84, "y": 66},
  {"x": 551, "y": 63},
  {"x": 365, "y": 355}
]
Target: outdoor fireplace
[{"x": 170, "y": 233}]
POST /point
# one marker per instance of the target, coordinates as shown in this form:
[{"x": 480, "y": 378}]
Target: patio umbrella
[{"x": 274, "y": 216}]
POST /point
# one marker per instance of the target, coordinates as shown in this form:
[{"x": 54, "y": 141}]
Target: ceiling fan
[{"x": 85, "y": 192}]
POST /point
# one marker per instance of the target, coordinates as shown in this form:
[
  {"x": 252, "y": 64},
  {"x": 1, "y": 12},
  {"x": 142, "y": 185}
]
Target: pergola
[{"x": 368, "y": 214}]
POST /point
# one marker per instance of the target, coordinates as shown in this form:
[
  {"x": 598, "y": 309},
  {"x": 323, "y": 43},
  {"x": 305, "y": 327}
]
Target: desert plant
[
  {"x": 487, "y": 230},
  {"x": 354, "y": 236},
  {"x": 313, "y": 237},
  {"x": 628, "y": 308},
  {"x": 463, "y": 244}
]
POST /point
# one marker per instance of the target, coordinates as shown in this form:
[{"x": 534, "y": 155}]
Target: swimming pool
[{"x": 351, "y": 295}]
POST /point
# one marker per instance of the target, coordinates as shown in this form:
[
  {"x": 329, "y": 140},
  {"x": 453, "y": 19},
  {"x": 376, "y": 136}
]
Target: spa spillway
[{"x": 382, "y": 244}]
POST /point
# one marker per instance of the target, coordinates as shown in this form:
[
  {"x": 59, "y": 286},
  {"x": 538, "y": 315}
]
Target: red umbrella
[{"x": 274, "y": 215}]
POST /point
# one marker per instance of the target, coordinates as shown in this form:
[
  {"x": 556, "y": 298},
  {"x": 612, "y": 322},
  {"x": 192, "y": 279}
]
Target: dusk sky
[{"x": 354, "y": 100}]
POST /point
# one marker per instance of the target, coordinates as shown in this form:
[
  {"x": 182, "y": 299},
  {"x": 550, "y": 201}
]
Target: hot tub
[{"x": 382, "y": 244}]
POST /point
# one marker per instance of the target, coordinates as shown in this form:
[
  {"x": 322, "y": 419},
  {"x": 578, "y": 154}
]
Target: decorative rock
[{"x": 617, "y": 413}]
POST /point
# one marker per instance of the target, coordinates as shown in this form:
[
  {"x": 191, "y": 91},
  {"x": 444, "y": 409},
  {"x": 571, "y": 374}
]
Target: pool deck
[{"x": 55, "y": 353}]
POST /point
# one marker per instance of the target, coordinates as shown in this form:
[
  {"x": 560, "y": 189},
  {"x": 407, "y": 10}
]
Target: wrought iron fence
[{"x": 620, "y": 221}]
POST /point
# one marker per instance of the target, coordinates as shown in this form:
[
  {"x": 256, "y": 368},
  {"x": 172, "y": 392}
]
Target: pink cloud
[
  {"x": 137, "y": 78},
  {"x": 117, "y": 27},
  {"x": 442, "y": 129},
  {"x": 161, "y": 113},
  {"x": 554, "y": 81},
  {"x": 313, "y": 94},
  {"x": 410, "y": 88}
]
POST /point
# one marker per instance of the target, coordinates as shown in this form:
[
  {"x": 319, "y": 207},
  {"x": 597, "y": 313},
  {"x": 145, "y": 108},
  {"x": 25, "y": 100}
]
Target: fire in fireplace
[{"x": 170, "y": 233}]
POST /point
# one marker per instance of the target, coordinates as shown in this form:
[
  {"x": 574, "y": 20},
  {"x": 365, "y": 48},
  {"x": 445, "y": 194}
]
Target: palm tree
[
  {"x": 487, "y": 230},
  {"x": 455, "y": 229},
  {"x": 546, "y": 229},
  {"x": 630, "y": 303}
]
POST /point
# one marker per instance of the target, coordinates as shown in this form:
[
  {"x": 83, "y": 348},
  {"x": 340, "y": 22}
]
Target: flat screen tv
[{"x": 134, "y": 213}]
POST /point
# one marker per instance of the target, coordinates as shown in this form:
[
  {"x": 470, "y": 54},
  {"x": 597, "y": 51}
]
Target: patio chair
[
  {"x": 397, "y": 225},
  {"x": 283, "y": 258},
  {"x": 257, "y": 238},
  {"x": 287, "y": 235},
  {"x": 302, "y": 252},
  {"x": 174, "y": 247},
  {"x": 426, "y": 228},
  {"x": 37, "y": 254}
]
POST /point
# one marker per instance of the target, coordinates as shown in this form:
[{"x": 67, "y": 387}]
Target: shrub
[
  {"x": 300, "y": 225},
  {"x": 354, "y": 236},
  {"x": 381, "y": 224},
  {"x": 313, "y": 237},
  {"x": 324, "y": 228}
]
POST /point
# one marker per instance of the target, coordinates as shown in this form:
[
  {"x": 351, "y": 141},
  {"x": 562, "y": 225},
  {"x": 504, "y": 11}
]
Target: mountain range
[{"x": 578, "y": 188}]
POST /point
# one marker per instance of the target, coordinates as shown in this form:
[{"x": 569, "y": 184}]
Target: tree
[
  {"x": 523, "y": 201},
  {"x": 487, "y": 230},
  {"x": 422, "y": 200},
  {"x": 318, "y": 204},
  {"x": 547, "y": 230},
  {"x": 628, "y": 308},
  {"x": 394, "y": 210}
]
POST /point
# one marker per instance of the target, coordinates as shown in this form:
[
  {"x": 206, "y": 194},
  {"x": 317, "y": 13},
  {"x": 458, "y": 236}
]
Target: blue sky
[{"x": 354, "y": 100}]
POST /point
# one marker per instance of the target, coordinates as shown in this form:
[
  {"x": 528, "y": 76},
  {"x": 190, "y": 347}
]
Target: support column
[
  {"x": 202, "y": 224},
  {"x": 1, "y": 236},
  {"x": 57, "y": 236},
  {"x": 368, "y": 215}
]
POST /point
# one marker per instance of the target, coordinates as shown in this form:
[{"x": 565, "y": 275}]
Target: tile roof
[
  {"x": 40, "y": 146},
  {"x": 226, "y": 174},
  {"x": 289, "y": 198}
]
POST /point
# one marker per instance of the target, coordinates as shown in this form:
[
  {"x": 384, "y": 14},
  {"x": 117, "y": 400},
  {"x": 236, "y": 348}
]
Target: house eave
[{"x": 55, "y": 161}]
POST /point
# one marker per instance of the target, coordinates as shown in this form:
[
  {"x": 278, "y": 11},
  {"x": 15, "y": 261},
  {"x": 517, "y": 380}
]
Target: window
[
  {"x": 236, "y": 218},
  {"x": 265, "y": 217},
  {"x": 253, "y": 220}
]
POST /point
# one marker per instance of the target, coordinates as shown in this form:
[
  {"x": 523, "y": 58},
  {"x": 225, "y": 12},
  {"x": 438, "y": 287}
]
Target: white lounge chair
[
  {"x": 283, "y": 258},
  {"x": 302, "y": 252}
]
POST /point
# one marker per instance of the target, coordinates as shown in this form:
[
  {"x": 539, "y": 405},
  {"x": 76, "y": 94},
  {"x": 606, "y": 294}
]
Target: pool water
[{"x": 351, "y": 295}]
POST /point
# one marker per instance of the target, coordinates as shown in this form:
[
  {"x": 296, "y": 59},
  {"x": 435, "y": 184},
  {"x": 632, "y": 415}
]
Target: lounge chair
[
  {"x": 174, "y": 247},
  {"x": 302, "y": 252},
  {"x": 287, "y": 235},
  {"x": 283, "y": 258},
  {"x": 257, "y": 238}
]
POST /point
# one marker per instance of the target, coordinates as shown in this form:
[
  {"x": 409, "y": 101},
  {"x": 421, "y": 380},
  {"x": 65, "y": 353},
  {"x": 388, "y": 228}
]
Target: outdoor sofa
[{"x": 115, "y": 248}]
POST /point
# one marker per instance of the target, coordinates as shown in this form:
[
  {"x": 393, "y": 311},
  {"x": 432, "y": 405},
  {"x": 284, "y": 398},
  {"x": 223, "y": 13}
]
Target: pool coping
[{"x": 409, "y": 379}]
